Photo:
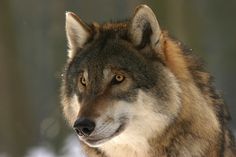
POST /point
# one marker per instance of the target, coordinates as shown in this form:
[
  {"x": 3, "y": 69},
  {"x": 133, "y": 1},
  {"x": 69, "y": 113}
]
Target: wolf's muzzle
[{"x": 84, "y": 126}]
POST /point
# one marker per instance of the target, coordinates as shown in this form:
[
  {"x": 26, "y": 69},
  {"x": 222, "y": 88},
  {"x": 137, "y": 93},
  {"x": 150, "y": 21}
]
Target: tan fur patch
[
  {"x": 175, "y": 60},
  {"x": 71, "y": 108}
]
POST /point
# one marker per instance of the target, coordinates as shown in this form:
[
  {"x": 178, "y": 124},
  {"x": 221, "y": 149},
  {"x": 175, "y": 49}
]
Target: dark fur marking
[{"x": 147, "y": 32}]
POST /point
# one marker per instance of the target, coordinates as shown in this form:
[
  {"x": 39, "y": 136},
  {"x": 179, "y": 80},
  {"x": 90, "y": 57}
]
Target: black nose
[{"x": 84, "y": 126}]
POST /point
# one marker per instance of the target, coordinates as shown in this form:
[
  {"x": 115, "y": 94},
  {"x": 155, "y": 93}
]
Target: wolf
[{"x": 130, "y": 90}]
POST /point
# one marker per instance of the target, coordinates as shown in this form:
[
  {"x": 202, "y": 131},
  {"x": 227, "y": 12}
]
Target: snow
[{"x": 71, "y": 148}]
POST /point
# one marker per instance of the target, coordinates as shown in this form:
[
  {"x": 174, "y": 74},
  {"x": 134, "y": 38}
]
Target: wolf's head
[{"x": 117, "y": 83}]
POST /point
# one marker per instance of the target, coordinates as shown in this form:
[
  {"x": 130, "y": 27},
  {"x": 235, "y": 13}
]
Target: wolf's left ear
[
  {"x": 144, "y": 27},
  {"x": 77, "y": 32}
]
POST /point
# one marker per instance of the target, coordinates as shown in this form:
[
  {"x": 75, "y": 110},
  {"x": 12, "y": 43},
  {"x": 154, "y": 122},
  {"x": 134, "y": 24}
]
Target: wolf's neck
[
  {"x": 125, "y": 150},
  {"x": 133, "y": 148}
]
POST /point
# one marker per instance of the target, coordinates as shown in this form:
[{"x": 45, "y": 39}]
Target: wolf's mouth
[{"x": 93, "y": 142}]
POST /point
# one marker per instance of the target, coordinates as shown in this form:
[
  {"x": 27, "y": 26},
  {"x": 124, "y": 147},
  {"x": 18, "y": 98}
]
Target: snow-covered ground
[{"x": 71, "y": 149}]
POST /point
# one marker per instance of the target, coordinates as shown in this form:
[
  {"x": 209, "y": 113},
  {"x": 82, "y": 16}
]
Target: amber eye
[
  {"x": 83, "y": 81},
  {"x": 118, "y": 79}
]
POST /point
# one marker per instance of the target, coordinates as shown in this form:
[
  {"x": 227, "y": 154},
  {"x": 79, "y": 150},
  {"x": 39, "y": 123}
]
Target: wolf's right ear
[
  {"x": 77, "y": 32},
  {"x": 144, "y": 27}
]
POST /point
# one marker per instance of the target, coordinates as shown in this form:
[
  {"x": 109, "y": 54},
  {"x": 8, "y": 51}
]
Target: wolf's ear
[
  {"x": 77, "y": 32},
  {"x": 144, "y": 27}
]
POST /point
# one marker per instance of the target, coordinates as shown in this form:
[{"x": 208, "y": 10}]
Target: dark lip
[{"x": 94, "y": 141}]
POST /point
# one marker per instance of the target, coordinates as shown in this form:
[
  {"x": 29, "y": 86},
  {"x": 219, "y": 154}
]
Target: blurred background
[{"x": 33, "y": 52}]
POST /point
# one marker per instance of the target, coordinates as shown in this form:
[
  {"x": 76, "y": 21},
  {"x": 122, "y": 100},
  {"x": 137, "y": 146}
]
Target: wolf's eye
[
  {"x": 118, "y": 79},
  {"x": 83, "y": 81}
]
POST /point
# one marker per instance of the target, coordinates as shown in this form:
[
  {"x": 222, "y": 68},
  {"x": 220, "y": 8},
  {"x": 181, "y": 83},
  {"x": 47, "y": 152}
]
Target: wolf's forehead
[
  {"x": 97, "y": 75},
  {"x": 116, "y": 53},
  {"x": 101, "y": 55},
  {"x": 105, "y": 72}
]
